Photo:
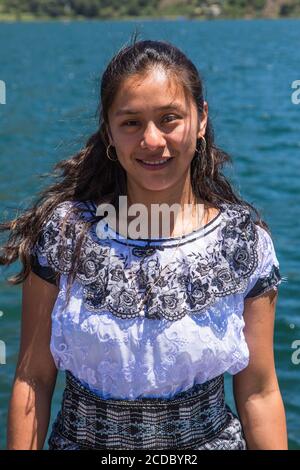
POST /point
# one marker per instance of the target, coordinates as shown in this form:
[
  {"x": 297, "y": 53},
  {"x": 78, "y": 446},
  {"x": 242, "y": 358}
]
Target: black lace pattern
[{"x": 116, "y": 280}]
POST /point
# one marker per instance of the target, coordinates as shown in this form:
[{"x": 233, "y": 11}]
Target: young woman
[{"x": 145, "y": 327}]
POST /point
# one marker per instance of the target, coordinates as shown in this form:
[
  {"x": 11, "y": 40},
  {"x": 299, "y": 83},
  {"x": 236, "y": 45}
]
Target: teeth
[{"x": 158, "y": 162}]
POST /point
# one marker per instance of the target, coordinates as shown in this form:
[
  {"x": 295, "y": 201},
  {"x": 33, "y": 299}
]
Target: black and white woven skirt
[{"x": 197, "y": 418}]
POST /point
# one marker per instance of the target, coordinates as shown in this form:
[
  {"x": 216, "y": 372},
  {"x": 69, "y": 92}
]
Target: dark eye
[
  {"x": 169, "y": 116},
  {"x": 126, "y": 122},
  {"x": 172, "y": 116}
]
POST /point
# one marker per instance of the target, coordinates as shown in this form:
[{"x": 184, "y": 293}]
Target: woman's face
[{"x": 151, "y": 121}]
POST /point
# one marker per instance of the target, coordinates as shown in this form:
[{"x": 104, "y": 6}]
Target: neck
[
  {"x": 190, "y": 217},
  {"x": 174, "y": 195}
]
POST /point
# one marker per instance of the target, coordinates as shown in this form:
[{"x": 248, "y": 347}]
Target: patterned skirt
[{"x": 197, "y": 418}]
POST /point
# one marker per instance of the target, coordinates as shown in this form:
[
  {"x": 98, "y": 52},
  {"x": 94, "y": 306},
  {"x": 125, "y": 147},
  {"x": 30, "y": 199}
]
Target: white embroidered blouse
[{"x": 190, "y": 329}]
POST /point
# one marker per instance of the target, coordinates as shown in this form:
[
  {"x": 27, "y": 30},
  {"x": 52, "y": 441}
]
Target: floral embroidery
[{"x": 190, "y": 284}]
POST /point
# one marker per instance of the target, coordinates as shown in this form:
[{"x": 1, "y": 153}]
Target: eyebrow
[{"x": 123, "y": 111}]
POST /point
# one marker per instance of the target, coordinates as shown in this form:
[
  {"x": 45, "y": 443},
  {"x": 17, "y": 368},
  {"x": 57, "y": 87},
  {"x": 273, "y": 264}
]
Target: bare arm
[
  {"x": 35, "y": 376},
  {"x": 256, "y": 390}
]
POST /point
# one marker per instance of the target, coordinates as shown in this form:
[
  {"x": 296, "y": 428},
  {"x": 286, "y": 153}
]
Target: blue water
[{"x": 52, "y": 72}]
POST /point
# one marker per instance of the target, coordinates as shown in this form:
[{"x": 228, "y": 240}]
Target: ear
[{"x": 203, "y": 121}]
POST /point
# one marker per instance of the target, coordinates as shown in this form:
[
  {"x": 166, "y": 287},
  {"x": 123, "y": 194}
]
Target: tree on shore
[{"x": 150, "y": 8}]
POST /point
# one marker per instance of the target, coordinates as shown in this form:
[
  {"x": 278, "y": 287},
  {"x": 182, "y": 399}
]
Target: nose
[{"x": 153, "y": 137}]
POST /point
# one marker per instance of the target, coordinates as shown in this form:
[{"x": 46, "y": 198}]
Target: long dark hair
[{"x": 90, "y": 175}]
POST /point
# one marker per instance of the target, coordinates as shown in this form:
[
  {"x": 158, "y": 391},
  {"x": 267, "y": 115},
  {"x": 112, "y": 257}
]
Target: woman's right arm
[{"x": 35, "y": 377}]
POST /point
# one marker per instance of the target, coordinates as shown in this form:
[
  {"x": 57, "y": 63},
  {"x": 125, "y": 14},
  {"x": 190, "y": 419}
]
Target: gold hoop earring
[{"x": 107, "y": 153}]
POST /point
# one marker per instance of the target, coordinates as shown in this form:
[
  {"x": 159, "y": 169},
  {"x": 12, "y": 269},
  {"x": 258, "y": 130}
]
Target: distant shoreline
[{"x": 9, "y": 18}]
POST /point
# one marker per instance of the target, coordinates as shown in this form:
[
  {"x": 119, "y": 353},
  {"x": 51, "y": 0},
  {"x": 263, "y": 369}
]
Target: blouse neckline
[{"x": 202, "y": 231}]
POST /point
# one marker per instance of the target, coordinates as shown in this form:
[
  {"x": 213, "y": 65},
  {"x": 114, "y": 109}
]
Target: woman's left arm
[{"x": 256, "y": 391}]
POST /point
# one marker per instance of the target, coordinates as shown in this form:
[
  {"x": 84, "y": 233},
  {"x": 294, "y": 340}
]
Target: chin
[{"x": 156, "y": 186}]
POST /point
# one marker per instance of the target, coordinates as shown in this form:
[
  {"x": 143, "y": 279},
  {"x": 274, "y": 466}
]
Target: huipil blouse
[{"x": 190, "y": 329}]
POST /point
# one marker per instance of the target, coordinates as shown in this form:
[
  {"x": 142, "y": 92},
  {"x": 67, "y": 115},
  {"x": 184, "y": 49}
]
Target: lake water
[{"x": 52, "y": 71}]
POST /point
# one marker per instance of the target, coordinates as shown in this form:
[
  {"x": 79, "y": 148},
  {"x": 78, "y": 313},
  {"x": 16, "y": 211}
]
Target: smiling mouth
[{"x": 159, "y": 163}]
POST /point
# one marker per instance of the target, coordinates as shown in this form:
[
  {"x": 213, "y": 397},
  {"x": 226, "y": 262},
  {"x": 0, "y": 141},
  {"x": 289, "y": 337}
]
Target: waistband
[{"x": 188, "y": 419}]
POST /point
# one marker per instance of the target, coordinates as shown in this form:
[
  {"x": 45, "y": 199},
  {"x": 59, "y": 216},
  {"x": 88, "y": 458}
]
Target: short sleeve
[
  {"x": 43, "y": 270},
  {"x": 266, "y": 276},
  {"x": 45, "y": 252}
]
